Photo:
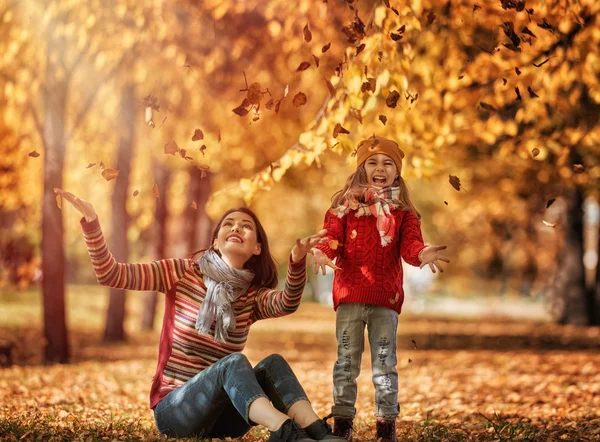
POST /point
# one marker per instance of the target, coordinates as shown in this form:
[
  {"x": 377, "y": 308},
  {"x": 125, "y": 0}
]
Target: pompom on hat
[{"x": 374, "y": 145}]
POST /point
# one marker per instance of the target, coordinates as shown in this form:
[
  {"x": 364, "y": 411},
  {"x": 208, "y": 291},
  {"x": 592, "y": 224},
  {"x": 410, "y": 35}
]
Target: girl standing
[
  {"x": 203, "y": 385},
  {"x": 371, "y": 224}
]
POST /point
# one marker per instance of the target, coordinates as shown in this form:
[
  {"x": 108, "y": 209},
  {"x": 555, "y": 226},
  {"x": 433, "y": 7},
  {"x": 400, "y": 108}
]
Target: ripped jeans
[{"x": 382, "y": 324}]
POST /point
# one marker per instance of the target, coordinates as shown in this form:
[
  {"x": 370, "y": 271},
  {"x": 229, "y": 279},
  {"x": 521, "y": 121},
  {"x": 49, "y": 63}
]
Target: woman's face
[
  {"x": 236, "y": 239},
  {"x": 381, "y": 170}
]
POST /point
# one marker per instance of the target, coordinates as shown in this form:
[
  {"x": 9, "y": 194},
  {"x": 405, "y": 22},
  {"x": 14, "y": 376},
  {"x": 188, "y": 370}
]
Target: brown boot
[
  {"x": 342, "y": 427},
  {"x": 386, "y": 430}
]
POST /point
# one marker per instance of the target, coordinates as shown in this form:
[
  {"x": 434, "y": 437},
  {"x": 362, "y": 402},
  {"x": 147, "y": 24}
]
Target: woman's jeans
[
  {"x": 215, "y": 402},
  {"x": 382, "y": 324}
]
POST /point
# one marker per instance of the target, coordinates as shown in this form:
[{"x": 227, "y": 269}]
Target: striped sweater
[{"x": 182, "y": 351}]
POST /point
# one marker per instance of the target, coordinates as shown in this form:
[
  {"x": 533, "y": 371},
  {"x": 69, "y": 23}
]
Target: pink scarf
[{"x": 376, "y": 202}]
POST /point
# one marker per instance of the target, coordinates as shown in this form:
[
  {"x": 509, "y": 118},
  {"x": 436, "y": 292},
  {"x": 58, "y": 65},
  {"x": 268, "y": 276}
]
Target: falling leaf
[
  {"x": 396, "y": 37},
  {"x": 171, "y": 148},
  {"x": 550, "y": 202},
  {"x": 330, "y": 88},
  {"x": 360, "y": 48},
  {"x": 241, "y": 111},
  {"x": 256, "y": 118},
  {"x": 410, "y": 361},
  {"x": 578, "y": 168},
  {"x": 307, "y": 34},
  {"x": 182, "y": 153},
  {"x": 414, "y": 344},
  {"x": 135, "y": 193},
  {"x": 380, "y": 55},
  {"x": 110, "y": 174},
  {"x": 446, "y": 202},
  {"x": 286, "y": 91},
  {"x": 356, "y": 114},
  {"x": 90, "y": 165},
  {"x": 34, "y": 154},
  {"x": 299, "y": 100},
  {"x": 504, "y": 81},
  {"x": 219, "y": 136},
  {"x": 517, "y": 70},
  {"x": 460, "y": 77},
  {"x": 383, "y": 119},
  {"x": 544, "y": 24},
  {"x": 488, "y": 107},
  {"x": 392, "y": 99},
  {"x": 334, "y": 244},
  {"x": 254, "y": 95},
  {"x": 198, "y": 135},
  {"x": 475, "y": 8},
  {"x": 525, "y": 30},
  {"x": 59, "y": 202},
  {"x": 101, "y": 165},
  {"x": 203, "y": 169},
  {"x": 535, "y": 152},
  {"x": 202, "y": 149},
  {"x": 316, "y": 60},
  {"x": 339, "y": 129},
  {"x": 542, "y": 63},
  {"x": 518, "y": 93},
  {"x": 270, "y": 104},
  {"x": 395, "y": 11},
  {"x": 374, "y": 144},
  {"x": 531, "y": 93},
  {"x": 303, "y": 66},
  {"x": 155, "y": 191},
  {"x": 366, "y": 87},
  {"x": 194, "y": 206},
  {"x": 547, "y": 224},
  {"x": 431, "y": 17},
  {"x": 325, "y": 48},
  {"x": 455, "y": 181}
]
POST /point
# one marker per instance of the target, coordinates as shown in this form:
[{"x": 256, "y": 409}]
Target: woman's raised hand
[
  {"x": 85, "y": 208},
  {"x": 430, "y": 256},
  {"x": 303, "y": 246},
  {"x": 320, "y": 260}
]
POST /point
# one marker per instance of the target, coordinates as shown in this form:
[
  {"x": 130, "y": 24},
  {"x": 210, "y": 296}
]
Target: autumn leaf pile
[{"x": 458, "y": 381}]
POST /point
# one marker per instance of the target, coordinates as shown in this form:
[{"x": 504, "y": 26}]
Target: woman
[{"x": 203, "y": 385}]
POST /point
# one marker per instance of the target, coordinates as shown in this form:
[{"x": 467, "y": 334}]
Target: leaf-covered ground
[{"x": 459, "y": 381}]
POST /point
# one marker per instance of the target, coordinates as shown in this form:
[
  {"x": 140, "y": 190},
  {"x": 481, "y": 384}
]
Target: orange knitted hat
[{"x": 374, "y": 145}]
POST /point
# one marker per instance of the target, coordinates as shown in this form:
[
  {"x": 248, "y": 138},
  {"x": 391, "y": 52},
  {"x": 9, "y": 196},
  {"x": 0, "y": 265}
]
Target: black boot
[
  {"x": 386, "y": 430},
  {"x": 321, "y": 430},
  {"x": 289, "y": 431},
  {"x": 343, "y": 427}
]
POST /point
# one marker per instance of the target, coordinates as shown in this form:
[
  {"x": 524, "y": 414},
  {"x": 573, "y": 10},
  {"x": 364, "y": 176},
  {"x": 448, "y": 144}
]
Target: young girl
[
  {"x": 371, "y": 224},
  {"x": 203, "y": 385}
]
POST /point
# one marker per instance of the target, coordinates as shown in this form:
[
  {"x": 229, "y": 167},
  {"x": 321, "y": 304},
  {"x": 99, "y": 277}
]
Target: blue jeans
[
  {"x": 382, "y": 324},
  {"x": 215, "y": 402}
]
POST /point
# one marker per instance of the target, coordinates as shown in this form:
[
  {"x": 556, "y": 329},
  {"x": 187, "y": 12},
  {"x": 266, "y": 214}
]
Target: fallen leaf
[
  {"x": 392, "y": 99},
  {"x": 198, "y": 135},
  {"x": 455, "y": 181},
  {"x": 110, "y": 174},
  {"x": 34, "y": 154},
  {"x": 299, "y": 99},
  {"x": 171, "y": 148},
  {"x": 155, "y": 191},
  {"x": 535, "y": 152},
  {"x": 325, "y": 48},
  {"x": 135, "y": 193},
  {"x": 307, "y": 34},
  {"x": 383, "y": 119}
]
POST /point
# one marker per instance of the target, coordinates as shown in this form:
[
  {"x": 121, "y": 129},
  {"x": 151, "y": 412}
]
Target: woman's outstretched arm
[{"x": 155, "y": 276}]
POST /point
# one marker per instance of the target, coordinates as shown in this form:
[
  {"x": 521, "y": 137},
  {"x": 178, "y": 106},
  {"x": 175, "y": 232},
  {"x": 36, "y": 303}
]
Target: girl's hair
[
  {"x": 263, "y": 265},
  {"x": 357, "y": 183}
]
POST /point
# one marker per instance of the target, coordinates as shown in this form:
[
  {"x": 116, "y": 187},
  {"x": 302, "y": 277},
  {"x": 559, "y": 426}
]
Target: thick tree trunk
[
  {"x": 53, "y": 253},
  {"x": 568, "y": 299},
  {"x": 198, "y": 226},
  {"x": 595, "y": 292},
  {"x": 162, "y": 177},
  {"x": 115, "y": 318}
]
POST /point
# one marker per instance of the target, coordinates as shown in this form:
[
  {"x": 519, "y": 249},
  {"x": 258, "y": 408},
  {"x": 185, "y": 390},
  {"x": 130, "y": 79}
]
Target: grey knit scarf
[{"x": 224, "y": 285}]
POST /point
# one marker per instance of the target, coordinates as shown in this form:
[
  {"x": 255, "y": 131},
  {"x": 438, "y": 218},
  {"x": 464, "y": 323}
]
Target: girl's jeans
[
  {"x": 382, "y": 324},
  {"x": 215, "y": 402}
]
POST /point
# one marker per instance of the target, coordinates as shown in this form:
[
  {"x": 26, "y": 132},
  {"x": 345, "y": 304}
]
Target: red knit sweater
[{"x": 371, "y": 273}]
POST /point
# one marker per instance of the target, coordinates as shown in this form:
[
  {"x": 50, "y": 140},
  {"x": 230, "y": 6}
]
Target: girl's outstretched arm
[
  {"x": 157, "y": 276},
  {"x": 412, "y": 249}
]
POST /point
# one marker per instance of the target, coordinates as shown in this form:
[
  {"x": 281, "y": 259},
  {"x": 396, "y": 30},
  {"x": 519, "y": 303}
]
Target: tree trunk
[
  {"x": 162, "y": 177},
  {"x": 115, "y": 318},
  {"x": 53, "y": 253},
  {"x": 595, "y": 293},
  {"x": 198, "y": 226},
  {"x": 568, "y": 300}
]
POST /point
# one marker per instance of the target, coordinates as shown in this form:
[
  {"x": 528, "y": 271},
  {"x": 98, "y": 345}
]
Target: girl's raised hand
[
  {"x": 85, "y": 208},
  {"x": 430, "y": 256},
  {"x": 303, "y": 246},
  {"x": 320, "y": 260}
]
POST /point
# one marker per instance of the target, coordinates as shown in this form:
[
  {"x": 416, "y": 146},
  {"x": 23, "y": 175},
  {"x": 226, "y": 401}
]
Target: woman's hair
[
  {"x": 263, "y": 265},
  {"x": 357, "y": 183}
]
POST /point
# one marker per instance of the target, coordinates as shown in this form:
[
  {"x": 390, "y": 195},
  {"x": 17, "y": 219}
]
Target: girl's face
[
  {"x": 381, "y": 170},
  {"x": 236, "y": 239}
]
